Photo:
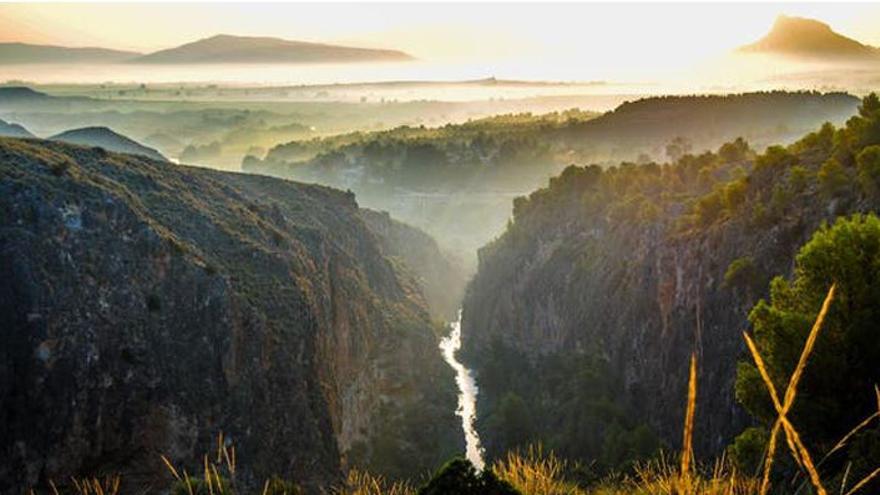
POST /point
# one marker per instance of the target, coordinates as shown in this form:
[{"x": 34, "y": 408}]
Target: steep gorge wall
[
  {"x": 576, "y": 275},
  {"x": 441, "y": 275},
  {"x": 147, "y": 307}
]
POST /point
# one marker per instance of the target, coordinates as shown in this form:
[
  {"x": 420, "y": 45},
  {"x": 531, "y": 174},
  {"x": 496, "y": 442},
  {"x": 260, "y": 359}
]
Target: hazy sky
[{"x": 625, "y": 36}]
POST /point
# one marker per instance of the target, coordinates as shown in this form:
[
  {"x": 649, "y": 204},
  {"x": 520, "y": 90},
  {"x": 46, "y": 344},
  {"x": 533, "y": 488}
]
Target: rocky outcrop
[
  {"x": 145, "y": 307},
  {"x": 812, "y": 40}
]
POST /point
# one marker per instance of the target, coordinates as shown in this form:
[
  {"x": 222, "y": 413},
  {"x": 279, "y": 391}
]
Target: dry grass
[
  {"x": 687, "y": 444},
  {"x": 211, "y": 472},
  {"x": 363, "y": 483},
  {"x": 662, "y": 477},
  {"x": 90, "y": 486},
  {"x": 536, "y": 473}
]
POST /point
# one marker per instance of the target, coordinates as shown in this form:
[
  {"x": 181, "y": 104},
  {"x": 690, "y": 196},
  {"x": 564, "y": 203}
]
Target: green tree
[
  {"x": 775, "y": 158},
  {"x": 837, "y": 389},
  {"x": 868, "y": 166},
  {"x": 742, "y": 273},
  {"x": 734, "y": 151},
  {"x": 833, "y": 179},
  {"x": 799, "y": 178}
]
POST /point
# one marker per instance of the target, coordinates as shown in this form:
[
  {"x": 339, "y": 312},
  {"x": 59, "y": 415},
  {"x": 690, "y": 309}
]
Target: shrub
[
  {"x": 709, "y": 208},
  {"x": 460, "y": 477},
  {"x": 735, "y": 194},
  {"x": 747, "y": 451},
  {"x": 741, "y": 273}
]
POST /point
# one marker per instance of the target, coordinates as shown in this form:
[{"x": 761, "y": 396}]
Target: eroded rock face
[
  {"x": 144, "y": 308},
  {"x": 440, "y": 274},
  {"x": 641, "y": 296}
]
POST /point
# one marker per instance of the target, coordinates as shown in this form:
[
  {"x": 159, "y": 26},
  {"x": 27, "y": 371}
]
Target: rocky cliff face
[
  {"x": 439, "y": 273},
  {"x": 145, "y": 307},
  {"x": 635, "y": 267}
]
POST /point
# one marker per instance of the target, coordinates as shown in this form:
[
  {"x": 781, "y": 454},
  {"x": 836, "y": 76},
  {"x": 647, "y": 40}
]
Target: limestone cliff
[
  {"x": 145, "y": 307},
  {"x": 439, "y": 273}
]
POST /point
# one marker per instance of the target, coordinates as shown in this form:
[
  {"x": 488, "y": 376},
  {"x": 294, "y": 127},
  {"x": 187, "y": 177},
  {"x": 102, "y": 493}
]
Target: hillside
[
  {"x": 810, "y": 39},
  {"x": 103, "y": 137},
  {"x": 24, "y": 53},
  {"x": 225, "y": 49},
  {"x": 583, "y": 314},
  {"x": 13, "y": 130},
  {"x": 457, "y": 182},
  {"x": 147, "y": 307},
  {"x": 20, "y": 94}
]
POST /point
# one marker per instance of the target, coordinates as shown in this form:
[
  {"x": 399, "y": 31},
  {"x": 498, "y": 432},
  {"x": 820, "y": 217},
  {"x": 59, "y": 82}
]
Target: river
[{"x": 467, "y": 394}]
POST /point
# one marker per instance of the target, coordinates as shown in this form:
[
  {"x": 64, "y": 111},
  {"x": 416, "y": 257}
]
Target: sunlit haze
[
  {"x": 415, "y": 248},
  {"x": 620, "y": 42}
]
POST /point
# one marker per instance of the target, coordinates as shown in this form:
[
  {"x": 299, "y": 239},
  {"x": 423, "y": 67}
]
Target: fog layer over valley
[{"x": 286, "y": 250}]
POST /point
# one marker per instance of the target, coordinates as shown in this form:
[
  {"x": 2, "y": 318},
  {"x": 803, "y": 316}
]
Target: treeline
[
  {"x": 424, "y": 158},
  {"x": 635, "y": 130}
]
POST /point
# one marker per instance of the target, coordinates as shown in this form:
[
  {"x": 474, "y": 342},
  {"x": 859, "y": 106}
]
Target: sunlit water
[{"x": 467, "y": 394}]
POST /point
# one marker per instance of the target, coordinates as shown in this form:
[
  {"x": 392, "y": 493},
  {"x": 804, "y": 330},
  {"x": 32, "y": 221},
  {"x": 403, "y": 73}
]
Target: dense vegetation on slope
[
  {"x": 457, "y": 181},
  {"x": 589, "y": 304},
  {"x": 145, "y": 307},
  {"x": 450, "y": 155},
  {"x": 644, "y": 126}
]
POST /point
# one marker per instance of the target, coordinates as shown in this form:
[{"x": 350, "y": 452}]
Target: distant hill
[
  {"x": 107, "y": 139},
  {"x": 20, "y": 93},
  {"x": 14, "y": 130},
  {"x": 811, "y": 39},
  {"x": 225, "y": 48},
  {"x": 23, "y": 53}
]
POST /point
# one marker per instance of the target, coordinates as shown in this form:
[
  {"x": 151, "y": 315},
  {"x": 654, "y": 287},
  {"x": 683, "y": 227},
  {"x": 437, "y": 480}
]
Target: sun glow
[{"x": 595, "y": 41}]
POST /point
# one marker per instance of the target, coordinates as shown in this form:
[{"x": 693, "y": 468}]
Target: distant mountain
[
  {"x": 107, "y": 139},
  {"x": 810, "y": 39},
  {"x": 14, "y": 130},
  {"x": 23, "y": 53},
  {"x": 225, "y": 48}
]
